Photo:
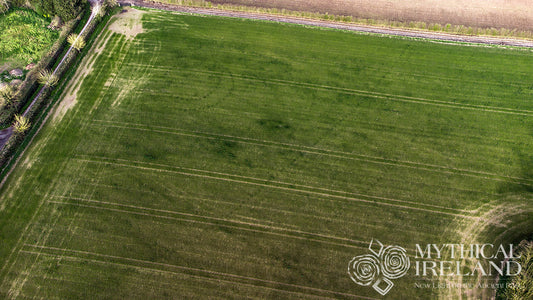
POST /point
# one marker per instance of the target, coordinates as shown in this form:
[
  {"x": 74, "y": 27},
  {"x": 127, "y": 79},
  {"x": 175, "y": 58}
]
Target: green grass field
[
  {"x": 23, "y": 37},
  {"x": 217, "y": 157}
]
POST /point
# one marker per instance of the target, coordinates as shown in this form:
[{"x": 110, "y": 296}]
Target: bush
[{"x": 65, "y": 9}]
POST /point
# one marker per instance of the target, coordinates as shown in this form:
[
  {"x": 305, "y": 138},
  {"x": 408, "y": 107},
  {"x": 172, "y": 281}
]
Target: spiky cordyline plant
[
  {"x": 47, "y": 78},
  {"x": 21, "y": 124},
  {"x": 76, "y": 41}
]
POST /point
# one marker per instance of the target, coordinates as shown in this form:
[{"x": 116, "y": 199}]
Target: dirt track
[{"x": 336, "y": 25}]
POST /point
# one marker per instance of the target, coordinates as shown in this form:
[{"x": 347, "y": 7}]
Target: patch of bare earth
[
  {"x": 128, "y": 23},
  {"x": 511, "y": 14}
]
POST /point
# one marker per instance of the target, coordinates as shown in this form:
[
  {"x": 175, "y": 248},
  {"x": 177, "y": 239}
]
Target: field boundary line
[
  {"x": 365, "y": 29},
  {"x": 11, "y": 260},
  {"x": 275, "y": 187},
  {"x": 213, "y": 219},
  {"x": 314, "y": 150},
  {"x": 183, "y": 268}
]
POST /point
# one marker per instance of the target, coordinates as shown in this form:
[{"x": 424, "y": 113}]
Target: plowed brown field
[{"x": 512, "y": 14}]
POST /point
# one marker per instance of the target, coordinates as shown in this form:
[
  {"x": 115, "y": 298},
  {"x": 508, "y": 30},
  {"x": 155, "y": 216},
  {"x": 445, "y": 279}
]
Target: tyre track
[
  {"x": 317, "y": 151},
  {"x": 127, "y": 262},
  {"x": 194, "y": 217},
  {"x": 280, "y": 185}
]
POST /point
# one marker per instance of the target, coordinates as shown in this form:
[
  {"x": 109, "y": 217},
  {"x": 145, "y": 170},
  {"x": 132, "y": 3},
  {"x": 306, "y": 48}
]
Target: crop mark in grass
[
  {"x": 370, "y": 94},
  {"x": 319, "y": 151},
  {"x": 317, "y": 191},
  {"x": 145, "y": 265},
  {"x": 278, "y": 211},
  {"x": 123, "y": 51}
]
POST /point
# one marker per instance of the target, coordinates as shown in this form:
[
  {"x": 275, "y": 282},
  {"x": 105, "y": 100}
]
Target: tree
[
  {"x": 76, "y": 41},
  {"x": 21, "y": 124},
  {"x": 65, "y": 9},
  {"x": 47, "y": 78}
]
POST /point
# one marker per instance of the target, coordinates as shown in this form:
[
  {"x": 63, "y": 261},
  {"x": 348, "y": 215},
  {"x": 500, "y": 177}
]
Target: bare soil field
[
  {"x": 439, "y": 36},
  {"x": 511, "y": 14}
]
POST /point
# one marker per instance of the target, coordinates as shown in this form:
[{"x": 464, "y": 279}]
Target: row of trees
[{"x": 65, "y": 9}]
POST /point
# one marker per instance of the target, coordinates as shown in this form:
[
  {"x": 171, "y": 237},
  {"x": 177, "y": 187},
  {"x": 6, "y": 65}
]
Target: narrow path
[{"x": 336, "y": 25}]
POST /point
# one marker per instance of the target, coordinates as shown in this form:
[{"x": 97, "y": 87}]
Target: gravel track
[{"x": 337, "y": 25}]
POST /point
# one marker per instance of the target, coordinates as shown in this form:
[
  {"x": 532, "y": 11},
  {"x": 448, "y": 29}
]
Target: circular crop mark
[
  {"x": 364, "y": 269},
  {"x": 394, "y": 262}
]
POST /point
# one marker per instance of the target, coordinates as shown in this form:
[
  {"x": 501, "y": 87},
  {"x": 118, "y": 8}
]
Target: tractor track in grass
[
  {"x": 314, "y": 215},
  {"x": 317, "y": 191},
  {"x": 317, "y": 151},
  {"x": 165, "y": 267},
  {"x": 207, "y": 220},
  {"x": 64, "y": 258},
  {"x": 439, "y": 37}
]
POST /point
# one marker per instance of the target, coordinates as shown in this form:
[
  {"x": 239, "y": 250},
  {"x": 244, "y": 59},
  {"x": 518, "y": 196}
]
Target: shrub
[
  {"x": 76, "y": 41},
  {"x": 47, "y": 78},
  {"x": 21, "y": 124}
]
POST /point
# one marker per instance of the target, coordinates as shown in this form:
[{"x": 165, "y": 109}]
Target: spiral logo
[
  {"x": 379, "y": 267},
  {"x": 394, "y": 262},
  {"x": 364, "y": 269}
]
